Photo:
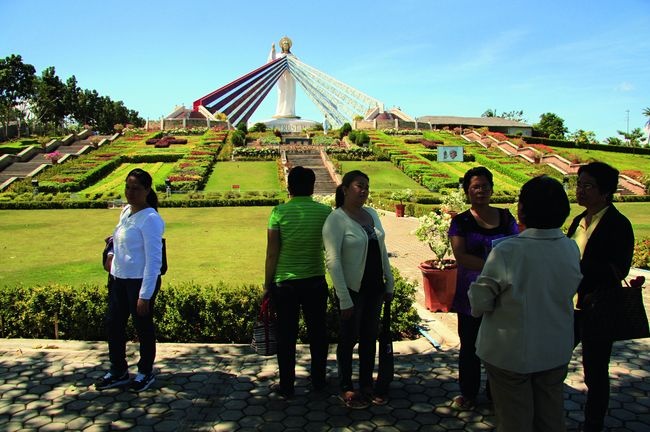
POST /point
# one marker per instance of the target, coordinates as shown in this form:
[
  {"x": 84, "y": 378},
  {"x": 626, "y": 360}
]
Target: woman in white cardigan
[{"x": 357, "y": 262}]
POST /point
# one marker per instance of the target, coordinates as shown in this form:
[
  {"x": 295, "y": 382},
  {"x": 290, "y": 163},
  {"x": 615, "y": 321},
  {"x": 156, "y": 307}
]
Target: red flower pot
[
  {"x": 439, "y": 287},
  {"x": 399, "y": 210}
]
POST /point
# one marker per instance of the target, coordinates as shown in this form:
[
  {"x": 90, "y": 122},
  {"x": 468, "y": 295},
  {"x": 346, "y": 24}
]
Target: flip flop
[
  {"x": 375, "y": 398},
  {"x": 353, "y": 401}
]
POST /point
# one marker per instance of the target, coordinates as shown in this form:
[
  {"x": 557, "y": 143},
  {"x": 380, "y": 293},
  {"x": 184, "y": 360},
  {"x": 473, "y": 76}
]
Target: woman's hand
[
  {"x": 346, "y": 314},
  {"x": 143, "y": 307},
  {"x": 108, "y": 263}
]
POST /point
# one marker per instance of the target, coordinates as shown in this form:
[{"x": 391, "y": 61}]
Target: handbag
[
  {"x": 108, "y": 248},
  {"x": 386, "y": 366},
  {"x": 631, "y": 320},
  {"x": 265, "y": 340}
]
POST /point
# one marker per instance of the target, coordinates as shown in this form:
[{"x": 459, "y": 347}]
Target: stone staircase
[
  {"x": 313, "y": 160},
  {"x": 35, "y": 161}
]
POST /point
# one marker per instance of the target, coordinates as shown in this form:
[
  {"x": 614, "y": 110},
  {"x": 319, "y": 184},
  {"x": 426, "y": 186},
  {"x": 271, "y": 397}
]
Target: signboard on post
[{"x": 450, "y": 153}]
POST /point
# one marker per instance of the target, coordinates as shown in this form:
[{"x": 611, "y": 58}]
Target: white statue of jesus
[{"x": 286, "y": 106}]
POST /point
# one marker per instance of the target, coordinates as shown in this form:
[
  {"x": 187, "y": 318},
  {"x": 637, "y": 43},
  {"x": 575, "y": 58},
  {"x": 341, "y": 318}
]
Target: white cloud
[{"x": 624, "y": 87}]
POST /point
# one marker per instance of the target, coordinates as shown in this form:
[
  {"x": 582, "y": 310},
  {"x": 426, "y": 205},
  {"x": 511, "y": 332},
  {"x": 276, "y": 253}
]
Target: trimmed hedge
[
  {"x": 184, "y": 313},
  {"x": 192, "y": 202},
  {"x": 571, "y": 144}
]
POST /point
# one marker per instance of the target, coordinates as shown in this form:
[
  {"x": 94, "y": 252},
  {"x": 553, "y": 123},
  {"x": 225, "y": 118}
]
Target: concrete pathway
[{"x": 47, "y": 385}]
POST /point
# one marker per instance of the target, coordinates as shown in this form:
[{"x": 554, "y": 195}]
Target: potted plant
[
  {"x": 401, "y": 196},
  {"x": 439, "y": 273}
]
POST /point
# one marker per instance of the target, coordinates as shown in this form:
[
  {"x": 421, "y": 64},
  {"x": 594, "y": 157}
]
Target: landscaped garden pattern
[{"x": 206, "y": 253}]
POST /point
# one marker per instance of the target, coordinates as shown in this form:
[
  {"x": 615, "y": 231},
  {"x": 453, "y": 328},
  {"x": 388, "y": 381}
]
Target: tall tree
[
  {"x": 614, "y": 141},
  {"x": 550, "y": 125},
  {"x": 49, "y": 104},
  {"x": 634, "y": 138},
  {"x": 16, "y": 86},
  {"x": 71, "y": 97},
  {"x": 516, "y": 115},
  {"x": 646, "y": 112},
  {"x": 583, "y": 138}
]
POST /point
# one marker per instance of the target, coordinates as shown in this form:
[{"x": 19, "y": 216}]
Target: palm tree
[{"x": 646, "y": 112}]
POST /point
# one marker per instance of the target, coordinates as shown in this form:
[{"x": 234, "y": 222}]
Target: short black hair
[
  {"x": 543, "y": 203},
  {"x": 479, "y": 171},
  {"x": 606, "y": 177},
  {"x": 301, "y": 181}
]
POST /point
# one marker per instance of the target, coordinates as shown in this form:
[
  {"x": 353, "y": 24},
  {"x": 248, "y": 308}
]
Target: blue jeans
[
  {"x": 123, "y": 297},
  {"x": 289, "y": 297}
]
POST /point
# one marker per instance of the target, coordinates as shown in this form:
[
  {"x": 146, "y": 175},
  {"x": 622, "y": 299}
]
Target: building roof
[{"x": 472, "y": 121}]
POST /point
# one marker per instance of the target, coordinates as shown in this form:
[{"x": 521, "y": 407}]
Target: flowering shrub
[
  {"x": 454, "y": 202},
  {"x": 401, "y": 132},
  {"x": 327, "y": 199},
  {"x": 402, "y": 195},
  {"x": 498, "y": 135},
  {"x": 642, "y": 254},
  {"x": 433, "y": 231},
  {"x": 54, "y": 156},
  {"x": 187, "y": 131}
]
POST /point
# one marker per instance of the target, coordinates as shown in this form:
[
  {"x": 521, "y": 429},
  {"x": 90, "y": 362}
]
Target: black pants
[
  {"x": 469, "y": 365},
  {"x": 595, "y": 363},
  {"x": 288, "y": 298},
  {"x": 122, "y": 302},
  {"x": 364, "y": 328}
]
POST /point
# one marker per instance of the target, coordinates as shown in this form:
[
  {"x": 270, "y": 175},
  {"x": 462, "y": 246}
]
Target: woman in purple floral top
[{"x": 472, "y": 233}]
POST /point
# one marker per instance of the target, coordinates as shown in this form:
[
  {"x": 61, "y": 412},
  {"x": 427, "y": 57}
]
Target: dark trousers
[
  {"x": 122, "y": 302},
  {"x": 595, "y": 363},
  {"x": 364, "y": 328},
  {"x": 289, "y": 297},
  {"x": 469, "y": 365}
]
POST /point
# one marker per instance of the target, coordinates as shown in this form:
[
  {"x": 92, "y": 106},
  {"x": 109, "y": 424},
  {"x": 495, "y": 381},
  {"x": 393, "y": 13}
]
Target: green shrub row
[
  {"x": 17, "y": 204},
  {"x": 353, "y": 153},
  {"x": 501, "y": 168},
  {"x": 571, "y": 144},
  {"x": 184, "y": 312}
]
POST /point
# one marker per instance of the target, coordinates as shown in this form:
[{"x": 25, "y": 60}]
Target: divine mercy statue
[{"x": 286, "y": 107}]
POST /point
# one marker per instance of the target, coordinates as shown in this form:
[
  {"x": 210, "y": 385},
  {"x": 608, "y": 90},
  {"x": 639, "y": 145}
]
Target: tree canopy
[
  {"x": 47, "y": 102},
  {"x": 550, "y": 125}
]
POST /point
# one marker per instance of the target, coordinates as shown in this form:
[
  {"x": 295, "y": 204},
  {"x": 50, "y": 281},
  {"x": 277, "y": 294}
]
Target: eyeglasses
[
  {"x": 484, "y": 187},
  {"x": 585, "y": 186}
]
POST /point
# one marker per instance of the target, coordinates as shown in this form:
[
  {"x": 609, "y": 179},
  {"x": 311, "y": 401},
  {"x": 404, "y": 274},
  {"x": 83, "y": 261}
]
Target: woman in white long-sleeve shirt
[
  {"x": 134, "y": 267},
  {"x": 357, "y": 262},
  {"x": 525, "y": 295}
]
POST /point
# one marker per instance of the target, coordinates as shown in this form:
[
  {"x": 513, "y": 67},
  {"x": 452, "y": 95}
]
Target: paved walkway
[{"x": 46, "y": 385}]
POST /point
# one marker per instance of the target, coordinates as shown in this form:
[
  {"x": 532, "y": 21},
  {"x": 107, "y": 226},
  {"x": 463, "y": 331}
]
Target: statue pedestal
[{"x": 289, "y": 124}]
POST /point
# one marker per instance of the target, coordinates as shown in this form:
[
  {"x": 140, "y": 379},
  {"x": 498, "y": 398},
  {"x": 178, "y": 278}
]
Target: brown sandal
[
  {"x": 352, "y": 400},
  {"x": 375, "y": 398}
]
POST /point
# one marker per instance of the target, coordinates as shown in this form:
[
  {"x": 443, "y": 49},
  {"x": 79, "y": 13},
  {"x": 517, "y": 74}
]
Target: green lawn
[
  {"x": 620, "y": 161},
  {"x": 114, "y": 182},
  {"x": 64, "y": 246},
  {"x": 204, "y": 245},
  {"x": 383, "y": 175},
  {"x": 250, "y": 176}
]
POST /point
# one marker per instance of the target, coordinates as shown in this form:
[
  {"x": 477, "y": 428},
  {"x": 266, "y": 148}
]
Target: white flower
[{"x": 433, "y": 231}]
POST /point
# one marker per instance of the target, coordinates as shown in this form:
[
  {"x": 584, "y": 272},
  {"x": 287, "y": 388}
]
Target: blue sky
[{"x": 586, "y": 61}]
